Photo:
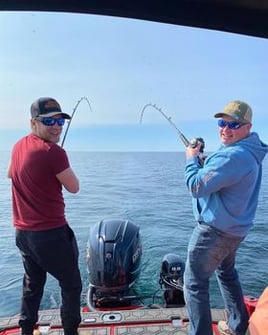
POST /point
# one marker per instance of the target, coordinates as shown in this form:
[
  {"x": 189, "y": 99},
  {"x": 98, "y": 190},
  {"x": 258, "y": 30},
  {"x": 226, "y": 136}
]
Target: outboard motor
[
  {"x": 113, "y": 260},
  {"x": 171, "y": 279}
]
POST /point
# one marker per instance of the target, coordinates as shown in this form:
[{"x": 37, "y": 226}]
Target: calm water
[{"x": 147, "y": 189}]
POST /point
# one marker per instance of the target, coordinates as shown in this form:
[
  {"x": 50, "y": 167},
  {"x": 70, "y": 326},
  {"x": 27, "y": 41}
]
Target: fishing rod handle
[{"x": 184, "y": 139}]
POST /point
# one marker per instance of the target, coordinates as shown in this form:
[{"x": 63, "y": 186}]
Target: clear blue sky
[{"x": 120, "y": 65}]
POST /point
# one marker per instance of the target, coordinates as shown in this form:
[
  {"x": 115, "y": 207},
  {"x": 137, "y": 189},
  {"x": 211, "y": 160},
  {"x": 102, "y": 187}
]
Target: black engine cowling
[
  {"x": 114, "y": 256},
  {"x": 171, "y": 279}
]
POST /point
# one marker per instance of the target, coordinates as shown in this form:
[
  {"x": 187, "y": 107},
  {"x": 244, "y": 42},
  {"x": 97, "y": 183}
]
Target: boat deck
[{"x": 148, "y": 321}]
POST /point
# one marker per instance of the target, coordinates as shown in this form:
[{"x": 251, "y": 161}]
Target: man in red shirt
[{"x": 38, "y": 170}]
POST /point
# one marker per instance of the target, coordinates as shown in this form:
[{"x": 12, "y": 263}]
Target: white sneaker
[{"x": 224, "y": 329}]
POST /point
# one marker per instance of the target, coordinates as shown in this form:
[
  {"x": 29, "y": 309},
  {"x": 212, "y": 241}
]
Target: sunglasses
[
  {"x": 50, "y": 121},
  {"x": 231, "y": 125}
]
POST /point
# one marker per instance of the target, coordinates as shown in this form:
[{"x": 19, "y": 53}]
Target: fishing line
[{"x": 74, "y": 110}]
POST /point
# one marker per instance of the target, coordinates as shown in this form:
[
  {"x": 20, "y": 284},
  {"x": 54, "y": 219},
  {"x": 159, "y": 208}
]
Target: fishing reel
[{"x": 195, "y": 141}]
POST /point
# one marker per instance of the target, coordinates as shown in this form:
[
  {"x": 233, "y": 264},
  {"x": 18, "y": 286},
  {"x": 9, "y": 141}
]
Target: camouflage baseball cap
[{"x": 238, "y": 110}]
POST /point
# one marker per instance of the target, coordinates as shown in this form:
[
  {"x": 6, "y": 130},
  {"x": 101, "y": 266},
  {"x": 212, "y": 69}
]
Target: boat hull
[
  {"x": 135, "y": 321},
  {"x": 160, "y": 321}
]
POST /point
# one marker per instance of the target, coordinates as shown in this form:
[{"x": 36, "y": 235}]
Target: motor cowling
[
  {"x": 114, "y": 256},
  {"x": 171, "y": 280}
]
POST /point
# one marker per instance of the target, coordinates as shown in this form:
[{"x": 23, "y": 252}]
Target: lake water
[{"x": 147, "y": 189}]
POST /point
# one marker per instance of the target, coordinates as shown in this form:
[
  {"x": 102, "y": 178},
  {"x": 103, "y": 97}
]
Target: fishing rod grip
[{"x": 184, "y": 140}]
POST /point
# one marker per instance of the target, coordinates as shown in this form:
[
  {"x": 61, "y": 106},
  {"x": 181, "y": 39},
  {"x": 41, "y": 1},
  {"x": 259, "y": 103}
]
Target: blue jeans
[{"x": 211, "y": 250}]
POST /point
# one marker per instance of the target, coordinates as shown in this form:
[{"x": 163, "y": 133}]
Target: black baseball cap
[{"x": 46, "y": 107}]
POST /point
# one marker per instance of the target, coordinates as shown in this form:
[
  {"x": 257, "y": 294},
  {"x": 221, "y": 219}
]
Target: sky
[{"x": 120, "y": 66}]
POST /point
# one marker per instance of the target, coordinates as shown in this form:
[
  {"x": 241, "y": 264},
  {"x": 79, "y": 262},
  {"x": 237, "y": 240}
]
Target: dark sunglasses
[
  {"x": 231, "y": 125},
  {"x": 50, "y": 121}
]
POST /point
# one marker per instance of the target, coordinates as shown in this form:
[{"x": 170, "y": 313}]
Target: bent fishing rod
[
  {"x": 193, "y": 143},
  {"x": 74, "y": 110}
]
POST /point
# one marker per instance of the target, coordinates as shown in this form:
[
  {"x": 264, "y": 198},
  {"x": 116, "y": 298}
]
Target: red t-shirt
[{"x": 38, "y": 202}]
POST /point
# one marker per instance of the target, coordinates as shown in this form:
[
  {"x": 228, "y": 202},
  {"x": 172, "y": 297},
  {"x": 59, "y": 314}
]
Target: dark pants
[{"x": 52, "y": 251}]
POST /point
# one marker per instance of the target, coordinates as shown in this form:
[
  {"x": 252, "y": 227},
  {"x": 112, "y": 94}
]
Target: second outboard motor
[
  {"x": 113, "y": 260},
  {"x": 171, "y": 279}
]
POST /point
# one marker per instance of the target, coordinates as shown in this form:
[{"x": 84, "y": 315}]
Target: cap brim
[
  {"x": 223, "y": 114},
  {"x": 219, "y": 115},
  {"x": 64, "y": 115}
]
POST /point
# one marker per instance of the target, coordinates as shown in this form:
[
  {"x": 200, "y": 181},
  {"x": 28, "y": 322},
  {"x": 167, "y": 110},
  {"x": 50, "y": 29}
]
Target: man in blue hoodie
[{"x": 225, "y": 194}]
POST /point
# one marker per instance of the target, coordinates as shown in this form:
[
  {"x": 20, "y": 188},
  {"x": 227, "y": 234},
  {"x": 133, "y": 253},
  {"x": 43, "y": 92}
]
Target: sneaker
[
  {"x": 37, "y": 332},
  {"x": 224, "y": 329}
]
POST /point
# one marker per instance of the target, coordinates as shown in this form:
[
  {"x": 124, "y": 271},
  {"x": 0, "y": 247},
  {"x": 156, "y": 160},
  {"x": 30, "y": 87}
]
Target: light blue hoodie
[{"x": 225, "y": 190}]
